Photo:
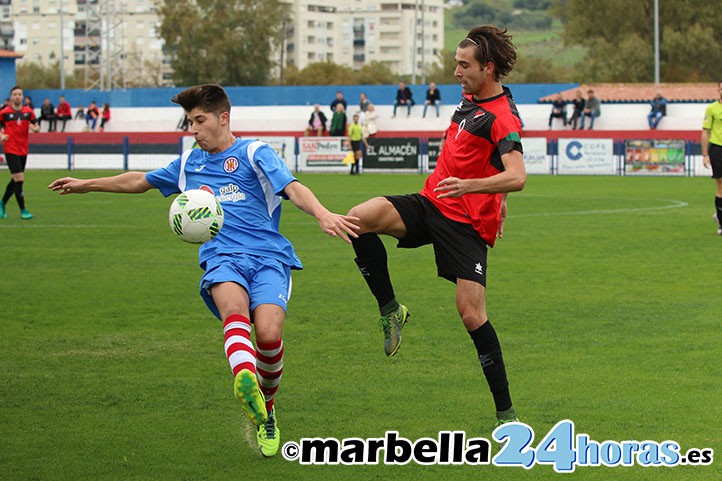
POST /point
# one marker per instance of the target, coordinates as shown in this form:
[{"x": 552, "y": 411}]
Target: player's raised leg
[
  {"x": 379, "y": 216},
  {"x": 471, "y": 303},
  {"x": 233, "y": 305}
]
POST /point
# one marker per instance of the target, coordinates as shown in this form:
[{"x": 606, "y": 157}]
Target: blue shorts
[{"x": 267, "y": 281}]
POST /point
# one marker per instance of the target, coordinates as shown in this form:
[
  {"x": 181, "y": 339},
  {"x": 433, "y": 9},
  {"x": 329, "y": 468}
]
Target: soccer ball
[{"x": 196, "y": 216}]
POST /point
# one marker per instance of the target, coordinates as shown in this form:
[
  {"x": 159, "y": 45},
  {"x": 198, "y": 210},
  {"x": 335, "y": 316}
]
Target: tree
[
  {"x": 34, "y": 76},
  {"x": 442, "y": 72},
  {"x": 228, "y": 42},
  {"x": 329, "y": 73},
  {"x": 319, "y": 73},
  {"x": 619, "y": 36}
]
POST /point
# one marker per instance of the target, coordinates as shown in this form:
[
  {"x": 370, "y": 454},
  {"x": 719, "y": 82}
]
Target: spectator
[
  {"x": 355, "y": 138},
  {"x": 64, "y": 112},
  {"x": 317, "y": 122},
  {"x": 433, "y": 97},
  {"x": 338, "y": 122},
  {"x": 80, "y": 113},
  {"x": 369, "y": 124},
  {"x": 29, "y": 103},
  {"x": 364, "y": 103},
  {"x": 91, "y": 116},
  {"x": 659, "y": 110},
  {"x": 339, "y": 100},
  {"x": 104, "y": 116},
  {"x": 559, "y": 110},
  {"x": 578, "y": 104},
  {"x": 47, "y": 112},
  {"x": 592, "y": 109},
  {"x": 404, "y": 97}
]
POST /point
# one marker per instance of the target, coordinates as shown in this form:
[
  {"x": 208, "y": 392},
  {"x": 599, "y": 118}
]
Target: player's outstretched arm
[
  {"x": 511, "y": 180},
  {"x": 332, "y": 224},
  {"x": 127, "y": 182}
]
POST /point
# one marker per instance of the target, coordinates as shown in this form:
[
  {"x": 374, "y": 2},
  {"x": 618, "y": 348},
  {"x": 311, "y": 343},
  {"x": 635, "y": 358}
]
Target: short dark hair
[
  {"x": 494, "y": 45},
  {"x": 207, "y": 97},
  {"x": 16, "y": 87}
]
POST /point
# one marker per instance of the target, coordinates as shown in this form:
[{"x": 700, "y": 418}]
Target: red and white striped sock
[
  {"x": 269, "y": 361},
  {"x": 238, "y": 345}
]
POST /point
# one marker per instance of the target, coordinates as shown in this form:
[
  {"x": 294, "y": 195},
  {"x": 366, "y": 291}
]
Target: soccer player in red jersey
[
  {"x": 15, "y": 122},
  {"x": 462, "y": 206}
]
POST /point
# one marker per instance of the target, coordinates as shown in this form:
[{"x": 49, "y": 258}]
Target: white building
[
  {"x": 357, "y": 32},
  {"x": 405, "y": 35}
]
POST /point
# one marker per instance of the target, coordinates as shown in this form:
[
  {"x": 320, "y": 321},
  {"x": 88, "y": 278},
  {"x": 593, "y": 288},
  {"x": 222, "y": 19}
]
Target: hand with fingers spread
[
  {"x": 452, "y": 187},
  {"x": 68, "y": 185},
  {"x": 337, "y": 225}
]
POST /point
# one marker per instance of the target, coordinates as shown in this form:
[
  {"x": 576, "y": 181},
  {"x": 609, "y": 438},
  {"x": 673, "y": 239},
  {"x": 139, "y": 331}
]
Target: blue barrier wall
[
  {"x": 7, "y": 76},
  {"x": 302, "y": 95}
]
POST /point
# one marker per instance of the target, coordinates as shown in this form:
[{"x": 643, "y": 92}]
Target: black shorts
[
  {"x": 715, "y": 158},
  {"x": 16, "y": 163},
  {"x": 459, "y": 250},
  {"x": 355, "y": 145}
]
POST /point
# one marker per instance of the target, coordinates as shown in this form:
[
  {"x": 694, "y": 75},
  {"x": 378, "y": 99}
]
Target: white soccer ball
[{"x": 196, "y": 216}]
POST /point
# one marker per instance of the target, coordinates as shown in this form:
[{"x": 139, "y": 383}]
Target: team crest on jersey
[{"x": 230, "y": 165}]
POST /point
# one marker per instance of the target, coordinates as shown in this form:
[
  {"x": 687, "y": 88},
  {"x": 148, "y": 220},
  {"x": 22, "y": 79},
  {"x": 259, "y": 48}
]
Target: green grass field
[{"x": 604, "y": 292}]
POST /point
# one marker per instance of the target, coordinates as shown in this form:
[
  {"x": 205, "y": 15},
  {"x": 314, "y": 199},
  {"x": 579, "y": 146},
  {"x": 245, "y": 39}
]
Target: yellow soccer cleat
[
  {"x": 269, "y": 436},
  {"x": 252, "y": 400}
]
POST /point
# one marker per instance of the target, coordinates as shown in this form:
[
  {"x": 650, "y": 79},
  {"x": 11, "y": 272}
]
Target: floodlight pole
[
  {"x": 62, "y": 49},
  {"x": 656, "y": 41}
]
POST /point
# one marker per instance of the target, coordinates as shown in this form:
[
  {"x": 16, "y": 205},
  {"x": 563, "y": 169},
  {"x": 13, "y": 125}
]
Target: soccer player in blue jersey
[{"x": 247, "y": 266}]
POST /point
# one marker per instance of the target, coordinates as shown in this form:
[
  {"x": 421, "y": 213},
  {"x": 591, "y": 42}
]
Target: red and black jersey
[
  {"x": 479, "y": 134},
  {"x": 16, "y": 124}
]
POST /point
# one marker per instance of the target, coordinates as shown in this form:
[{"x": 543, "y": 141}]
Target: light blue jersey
[{"x": 248, "y": 179}]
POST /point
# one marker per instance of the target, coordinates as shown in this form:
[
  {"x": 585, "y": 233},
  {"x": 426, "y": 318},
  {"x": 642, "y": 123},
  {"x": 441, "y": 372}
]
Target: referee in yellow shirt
[
  {"x": 355, "y": 136},
  {"x": 712, "y": 149}
]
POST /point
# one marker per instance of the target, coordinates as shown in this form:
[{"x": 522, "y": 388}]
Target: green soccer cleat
[
  {"x": 499, "y": 422},
  {"x": 269, "y": 436},
  {"x": 392, "y": 325},
  {"x": 508, "y": 416},
  {"x": 3, "y": 215},
  {"x": 25, "y": 214},
  {"x": 252, "y": 400}
]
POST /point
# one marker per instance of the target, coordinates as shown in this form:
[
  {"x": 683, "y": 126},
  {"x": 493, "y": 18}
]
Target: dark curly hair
[
  {"x": 494, "y": 45},
  {"x": 208, "y": 97}
]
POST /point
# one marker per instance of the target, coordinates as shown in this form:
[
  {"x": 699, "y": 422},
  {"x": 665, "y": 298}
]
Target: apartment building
[{"x": 405, "y": 35}]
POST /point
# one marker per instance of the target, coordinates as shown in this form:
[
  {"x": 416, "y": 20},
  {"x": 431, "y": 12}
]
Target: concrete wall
[{"x": 293, "y": 119}]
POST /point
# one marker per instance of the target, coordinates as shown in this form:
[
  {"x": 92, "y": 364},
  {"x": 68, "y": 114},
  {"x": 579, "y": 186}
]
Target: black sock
[
  {"x": 19, "y": 194},
  {"x": 492, "y": 363},
  {"x": 9, "y": 191},
  {"x": 372, "y": 262},
  {"x": 718, "y": 205}
]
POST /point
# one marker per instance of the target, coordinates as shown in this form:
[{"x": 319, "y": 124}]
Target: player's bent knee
[{"x": 370, "y": 213}]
